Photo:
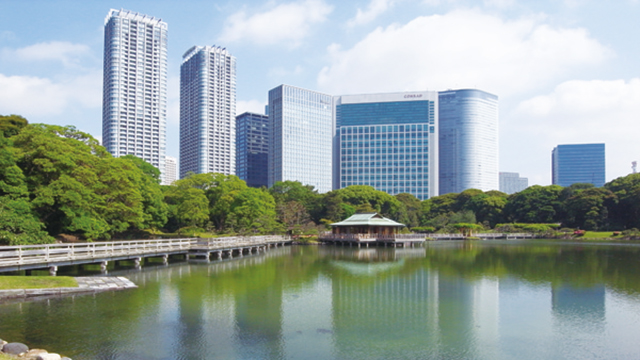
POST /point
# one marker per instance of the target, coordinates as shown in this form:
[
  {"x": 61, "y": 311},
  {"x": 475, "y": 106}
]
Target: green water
[{"x": 447, "y": 300}]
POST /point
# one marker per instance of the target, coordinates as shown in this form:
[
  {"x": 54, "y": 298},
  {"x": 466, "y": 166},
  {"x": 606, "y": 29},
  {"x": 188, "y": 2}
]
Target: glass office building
[
  {"x": 468, "y": 140},
  {"x": 578, "y": 163},
  {"x": 207, "y": 111},
  {"x": 252, "y": 148},
  {"x": 511, "y": 182},
  {"x": 388, "y": 141},
  {"x": 301, "y": 131},
  {"x": 134, "y": 103}
]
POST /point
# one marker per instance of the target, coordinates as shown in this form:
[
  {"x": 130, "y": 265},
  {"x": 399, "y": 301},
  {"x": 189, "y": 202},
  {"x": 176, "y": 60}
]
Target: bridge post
[
  {"x": 165, "y": 259},
  {"x": 136, "y": 262},
  {"x": 230, "y": 254},
  {"x": 240, "y": 251},
  {"x": 219, "y": 255},
  {"x": 103, "y": 267},
  {"x": 53, "y": 270}
]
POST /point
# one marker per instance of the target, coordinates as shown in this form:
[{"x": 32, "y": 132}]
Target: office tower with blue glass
[
  {"x": 511, "y": 182},
  {"x": 134, "y": 102},
  {"x": 578, "y": 163},
  {"x": 388, "y": 141},
  {"x": 301, "y": 129},
  {"x": 252, "y": 148},
  {"x": 468, "y": 140},
  {"x": 207, "y": 111}
]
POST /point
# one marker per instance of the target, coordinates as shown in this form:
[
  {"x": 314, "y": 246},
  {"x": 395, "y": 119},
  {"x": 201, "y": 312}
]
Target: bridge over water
[{"x": 51, "y": 256}]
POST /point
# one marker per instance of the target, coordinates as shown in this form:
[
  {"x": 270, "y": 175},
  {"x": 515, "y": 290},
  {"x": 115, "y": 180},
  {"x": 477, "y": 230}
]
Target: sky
[{"x": 565, "y": 71}]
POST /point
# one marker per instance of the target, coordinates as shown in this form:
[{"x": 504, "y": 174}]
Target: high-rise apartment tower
[
  {"x": 511, "y": 182},
  {"x": 134, "y": 103},
  {"x": 388, "y": 141},
  {"x": 301, "y": 127},
  {"x": 207, "y": 111},
  {"x": 468, "y": 140}
]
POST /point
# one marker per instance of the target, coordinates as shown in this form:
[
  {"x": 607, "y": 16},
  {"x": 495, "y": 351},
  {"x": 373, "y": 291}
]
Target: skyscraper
[
  {"x": 134, "y": 103},
  {"x": 578, "y": 163},
  {"x": 511, "y": 182},
  {"x": 252, "y": 148},
  {"x": 207, "y": 111},
  {"x": 301, "y": 126},
  {"x": 388, "y": 141},
  {"x": 468, "y": 140},
  {"x": 171, "y": 172}
]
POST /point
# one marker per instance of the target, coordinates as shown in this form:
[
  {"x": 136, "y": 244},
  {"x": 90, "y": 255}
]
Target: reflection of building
[
  {"x": 578, "y": 163},
  {"x": 134, "y": 103},
  {"x": 252, "y": 148},
  {"x": 388, "y": 141},
  {"x": 585, "y": 304},
  {"x": 207, "y": 111},
  {"x": 468, "y": 140},
  {"x": 511, "y": 183},
  {"x": 301, "y": 130}
]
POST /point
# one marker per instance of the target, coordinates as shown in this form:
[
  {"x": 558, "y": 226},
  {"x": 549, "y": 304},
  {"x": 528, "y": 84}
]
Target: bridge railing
[
  {"x": 29, "y": 254},
  {"x": 240, "y": 241}
]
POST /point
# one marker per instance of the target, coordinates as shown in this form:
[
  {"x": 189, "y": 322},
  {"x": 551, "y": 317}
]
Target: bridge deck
[{"x": 28, "y": 257}]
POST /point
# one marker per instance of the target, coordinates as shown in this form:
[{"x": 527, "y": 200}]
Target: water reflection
[{"x": 449, "y": 300}]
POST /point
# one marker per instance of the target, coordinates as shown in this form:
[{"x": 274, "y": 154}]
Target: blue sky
[{"x": 565, "y": 71}]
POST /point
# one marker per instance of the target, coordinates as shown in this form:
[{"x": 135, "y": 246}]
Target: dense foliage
[{"x": 57, "y": 180}]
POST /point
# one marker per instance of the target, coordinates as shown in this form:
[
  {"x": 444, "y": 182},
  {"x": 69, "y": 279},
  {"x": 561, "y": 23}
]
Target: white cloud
[
  {"x": 463, "y": 48},
  {"x": 577, "y": 112},
  {"x": 65, "y": 52},
  {"x": 254, "y": 106},
  {"x": 289, "y": 23},
  {"x": 375, "y": 9},
  {"x": 34, "y": 97},
  {"x": 499, "y": 3}
]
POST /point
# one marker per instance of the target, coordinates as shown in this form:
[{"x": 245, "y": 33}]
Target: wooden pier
[{"x": 51, "y": 256}]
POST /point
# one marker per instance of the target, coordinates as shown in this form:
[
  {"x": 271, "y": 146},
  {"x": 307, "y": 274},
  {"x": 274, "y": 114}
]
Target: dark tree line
[{"x": 57, "y": 180}]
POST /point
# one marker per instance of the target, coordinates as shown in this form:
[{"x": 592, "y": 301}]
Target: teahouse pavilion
[{"x": 369, "y": 228}]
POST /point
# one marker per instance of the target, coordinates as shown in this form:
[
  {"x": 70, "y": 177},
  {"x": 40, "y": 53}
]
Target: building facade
[
  {"x": 388, "y": 141},
  {"x": 301, "y": 132},
  {"x": 207, "y": 111},
  {"x": 578, "y": 163},
  {"x": 252, "y": 148},
  {"x": 171, "y": 170},
  {"x": 511, "y": 182},
  {"x": 468, "y": 121},
  {"x": 134, "y": 103}
]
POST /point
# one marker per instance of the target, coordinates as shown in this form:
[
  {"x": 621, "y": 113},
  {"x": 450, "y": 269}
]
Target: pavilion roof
[{"x": 368, "y": 219}]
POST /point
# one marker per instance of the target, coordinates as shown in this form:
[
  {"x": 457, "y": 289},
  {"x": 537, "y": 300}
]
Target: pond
[{"x": 446, "y": 300}]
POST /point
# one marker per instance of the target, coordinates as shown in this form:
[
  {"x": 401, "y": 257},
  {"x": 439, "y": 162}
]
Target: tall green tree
[
  {"x": 625, "y": 213},
  {"x": 11, "y": 125},
  {"x": 588, "y": 209},
  {"x": 253, "y": 211},
  {"x": 409, "y": 213}
]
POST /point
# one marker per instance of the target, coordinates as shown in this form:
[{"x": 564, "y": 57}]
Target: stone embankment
[
  {"x": 22, "y": 351},
  {"x": 85, "y": 285}
]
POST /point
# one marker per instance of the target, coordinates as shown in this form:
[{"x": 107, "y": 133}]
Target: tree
[
  {"x": 625, "y": 213},
  {"x": 588, "y": 209},
  {"x": 535, "y": 204},
  {"x": 370, "y": 199},
  {"x": 488, "y": 207},
  {"x": 12, "y": 124},
  {"x": 188, "y": 206},
  {"x": 306, "y": 195},
  {"x": 409, "y": 213},
  {"x": 252, "y": 212}
]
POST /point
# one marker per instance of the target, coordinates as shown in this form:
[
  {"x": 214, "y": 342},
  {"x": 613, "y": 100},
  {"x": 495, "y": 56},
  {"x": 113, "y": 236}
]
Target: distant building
[
  {"x": 301, "y": 129},
  {"x": 388, "y": 141},
  {"x": 468, "y": 121},
  {"x": 207, "y": 111},
  {"x": 578, "y": 163},
  {"x": 511, "y": 183},
  {"x": 252, "y": 148},
  {"x": 171, "y": 170},
  {"x": 134, "y": 101}
]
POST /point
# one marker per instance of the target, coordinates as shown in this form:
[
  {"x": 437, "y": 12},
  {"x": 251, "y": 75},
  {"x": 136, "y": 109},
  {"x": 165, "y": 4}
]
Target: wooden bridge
[{"x": 51, "y": 256}]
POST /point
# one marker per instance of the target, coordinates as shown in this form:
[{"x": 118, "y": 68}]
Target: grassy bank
[{"x": 36, "y": 282}]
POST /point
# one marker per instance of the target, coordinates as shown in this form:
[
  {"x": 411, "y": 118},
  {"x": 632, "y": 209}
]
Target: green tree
[
  {"x": 535, "y": 204},
  {"x": 409, "y": 213},
  {"x": 306, "y": 195},
  {"x": 488, "y": 207},
  {"x": 625, "y": 213},
  {"x": 588, "y": 209},
  {"x": 188, "y": 206},
  {"x": 252, "y": 212},
  {"x": 11, "y": 125}
]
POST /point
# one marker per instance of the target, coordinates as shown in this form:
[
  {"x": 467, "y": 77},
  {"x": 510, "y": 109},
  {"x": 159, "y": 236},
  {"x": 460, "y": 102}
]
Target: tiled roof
[{"x": 368, "y": 219}]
